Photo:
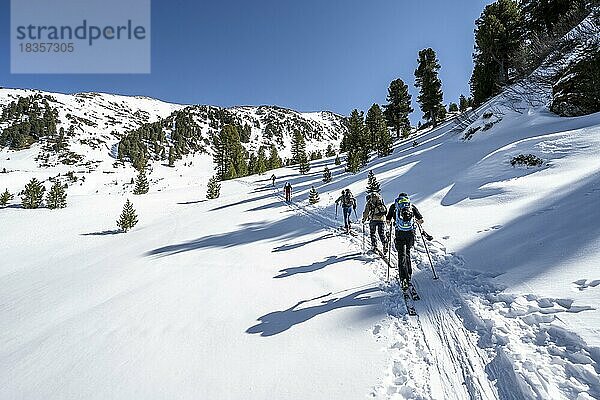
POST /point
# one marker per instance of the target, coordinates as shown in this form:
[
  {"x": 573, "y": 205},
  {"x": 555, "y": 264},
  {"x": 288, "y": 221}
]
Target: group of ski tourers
[{"x": 405, "y": 218}]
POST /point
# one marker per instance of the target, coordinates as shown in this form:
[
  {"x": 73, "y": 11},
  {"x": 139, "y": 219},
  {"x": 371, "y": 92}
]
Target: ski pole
[
  {"x": 363, "y": 238},
  {"x": 389, "y": 254},
  {"x": 427, "y": 250},
  {"x": 335, "y": 210}
]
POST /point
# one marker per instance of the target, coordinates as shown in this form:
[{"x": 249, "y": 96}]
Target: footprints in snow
[
  {"x": 491, "y": 228},
  {"x": 583, "y": 284}
]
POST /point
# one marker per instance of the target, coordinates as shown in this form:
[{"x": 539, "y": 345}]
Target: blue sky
[{"x": 306, "y": 55}]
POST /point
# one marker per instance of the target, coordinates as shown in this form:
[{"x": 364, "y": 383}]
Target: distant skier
[
  {"x": 348, "y": 204},
  {"x": 375, "y": 212},
  {"x": 405, "y": 216},
  {"x": 273, "y": 180},
  {"x": 287, "y": 189}
]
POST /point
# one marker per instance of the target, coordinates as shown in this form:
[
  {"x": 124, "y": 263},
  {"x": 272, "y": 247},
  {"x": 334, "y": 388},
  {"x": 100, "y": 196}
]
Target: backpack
[
  {"x": 347, "y": 199},
  {"x": 379, "y": 208},
  {"x": 404, "y": 214}
]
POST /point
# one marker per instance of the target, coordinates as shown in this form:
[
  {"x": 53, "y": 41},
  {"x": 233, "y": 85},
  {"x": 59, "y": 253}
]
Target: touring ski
[
  {"x": 410, "y": 308},
  {"x": 412, "y": 291}
]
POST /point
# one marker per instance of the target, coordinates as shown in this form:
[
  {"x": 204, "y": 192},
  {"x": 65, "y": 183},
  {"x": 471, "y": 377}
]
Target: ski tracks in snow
[{"x": 470, "y": 340}]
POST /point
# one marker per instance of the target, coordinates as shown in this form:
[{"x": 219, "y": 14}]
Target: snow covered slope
[{"x": 246, "y": 297}]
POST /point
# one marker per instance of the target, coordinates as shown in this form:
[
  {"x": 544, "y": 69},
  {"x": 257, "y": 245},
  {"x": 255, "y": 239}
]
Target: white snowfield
[{"x": 245, "y": 297}]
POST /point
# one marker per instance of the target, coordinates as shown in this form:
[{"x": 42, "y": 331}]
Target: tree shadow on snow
[
  {"x": 292, "y": 246},
  {"x": 103, "y": 233},
  {"x": 317, "y": 265},
  {"x": 280, "y": 321},
  {"x": 193, "y": 202},
  {"x": 246, "y": 233}
]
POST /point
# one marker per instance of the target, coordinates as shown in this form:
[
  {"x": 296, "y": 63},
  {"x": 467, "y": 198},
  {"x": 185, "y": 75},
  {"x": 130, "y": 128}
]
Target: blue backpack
[{"x": 405, "y": 219}]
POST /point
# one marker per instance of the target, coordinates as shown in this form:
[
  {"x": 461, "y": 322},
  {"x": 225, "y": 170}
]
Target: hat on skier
[{"x": 403, "y": 200}]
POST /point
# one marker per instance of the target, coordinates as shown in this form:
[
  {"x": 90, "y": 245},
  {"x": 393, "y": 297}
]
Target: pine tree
[
  {"x": 229, "y": 155},
  {"x": 171, "y": 157},
  {"x": 542, "y": 17},
  {"x": 326, "y": 175},
  {"x": 33, "y": 194},
  {"x": 337, "y": 160},
  {"x": 453, "y": 107},
  {"x": 298, "y": 147},
  {"x": 252, "y": 163},
  {"x": 313, "y": 196},
  {"x": 372, "y": 184},
  {"x": 398, "y": 108},
  {"x": 463, "y": 103},
  {"x": 304, "y": 165},
  {"x": 356, "y": 142},
  {"x": 499, "y": 34},
  {"x": 128, "y": 218},
  {"x": 274, "y": 160},
  {"x": 213, "y": 189},
  {"x": 57, "y": 197},
  {"x": 378, "y": 132},
  {"x": 427, "y": 80},
  {"x": 261, "y": 162},
  {"x": 329, "y": 152},
  {"x": 141, "y": 183},
  {"x": 5, "y": 197}
]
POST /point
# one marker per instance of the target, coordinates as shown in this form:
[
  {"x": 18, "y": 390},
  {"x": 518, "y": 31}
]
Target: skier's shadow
[
  {"x": 292, "y": 246},
  {"x": 317, "y": 265},
  {"x": 280, "y": 321}
]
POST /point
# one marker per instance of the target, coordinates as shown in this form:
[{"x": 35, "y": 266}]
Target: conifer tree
[
  {"x": 5, "y": 197},
  {"x": 398, "y": 108},
  {"x": 453, "y": 107},
  {"x": 313, "y": 195},
  {"x": 274, "y": 160},
  {"x": 57, "y": 197},
  {"x": 141, "y": 183},
  {"x": 213, "y": 189},
  {"x": 33, "y": 194},
  {"x": 128, "y": 217},
  {"x": 261, "y": 162},
  {"x": 542, "y": 17},
  {"x": 372, "y": 184},
  {"x": 304, "y": 165},
  {"x": 252, "y": 163},
  {"x": 427, "y": 80},
  {"x": 171, "y": 157},
  {"x": 499, "y": 33},
  {"x": 326, "y": 175},
  {"x": 329, "y": 152},
  {"x": 463, "y": 103},
  {"x": 356, "y": 142},
  {"x": 337, "y": 160},
  {"x": 229, "y": 154},
  {"x": 379, "y": 135},
  {"x": 298, "y": 147}
]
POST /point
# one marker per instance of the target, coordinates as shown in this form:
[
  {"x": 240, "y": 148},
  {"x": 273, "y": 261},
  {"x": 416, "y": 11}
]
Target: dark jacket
[
  {"x": 391, "y": 215},
  {"x": 347, "y": 201}
]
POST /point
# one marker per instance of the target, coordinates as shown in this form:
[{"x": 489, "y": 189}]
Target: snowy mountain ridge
[{"x": 96, "y": 122}]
